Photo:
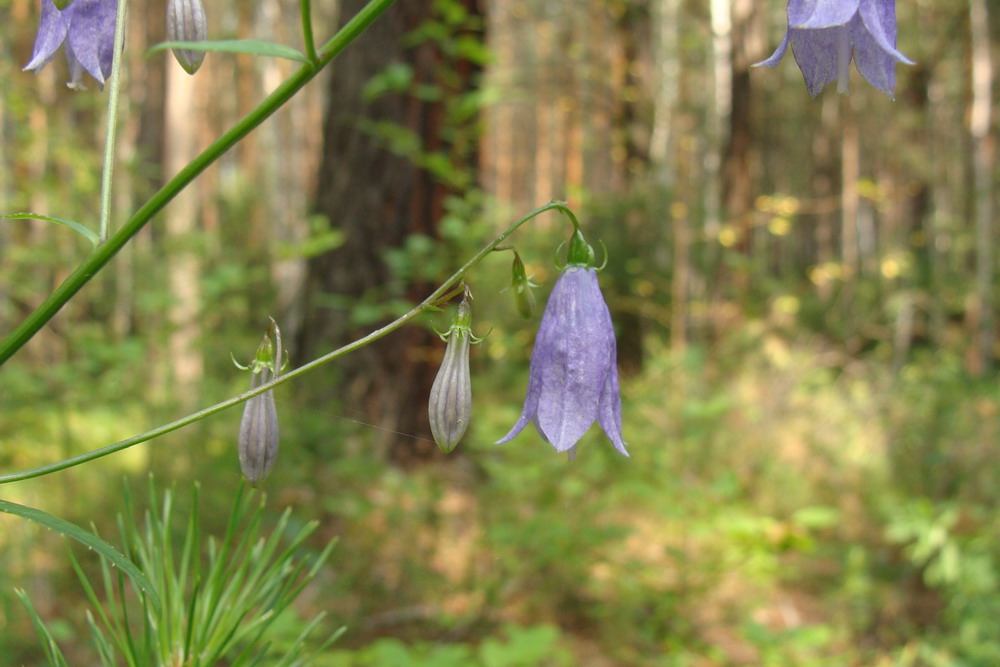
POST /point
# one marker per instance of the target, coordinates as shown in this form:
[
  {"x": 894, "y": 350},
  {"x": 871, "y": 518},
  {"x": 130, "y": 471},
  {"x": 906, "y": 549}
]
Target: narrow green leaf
[
  {"x": 86, "y": 538},
  {"x": 72, "y": 224},
  {"x": 254, "y": 47},
  {"x": 52, "y": 651}
]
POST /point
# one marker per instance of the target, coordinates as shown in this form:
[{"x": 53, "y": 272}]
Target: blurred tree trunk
[
  {"x": 745, "y": 41},
  {"x": 378, "y": 199},
  {"x": 983, "y": 167},
  {"x": 181, "y": 224}
]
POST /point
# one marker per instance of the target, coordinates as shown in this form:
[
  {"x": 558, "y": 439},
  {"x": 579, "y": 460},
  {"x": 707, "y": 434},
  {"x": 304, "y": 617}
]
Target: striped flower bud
[
  {"x": 258, "y": 441},
  {"x": 186, "y": 23},
  {"x": 450, "y": 403}
]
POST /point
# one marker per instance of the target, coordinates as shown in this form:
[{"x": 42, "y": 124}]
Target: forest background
[{"x": 804, "y": 292}]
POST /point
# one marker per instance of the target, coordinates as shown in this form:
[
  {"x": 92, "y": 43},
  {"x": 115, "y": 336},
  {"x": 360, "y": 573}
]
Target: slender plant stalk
[
  {"x": 291, "y": 375},
  {"x": 305, "y": 11},
  {"x": 96, "y": 261},
  {"x": 111, "y": 131}
]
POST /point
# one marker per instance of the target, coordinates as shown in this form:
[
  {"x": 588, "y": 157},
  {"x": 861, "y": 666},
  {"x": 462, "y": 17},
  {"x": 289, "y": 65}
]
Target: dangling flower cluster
[
  {"x": 258, "y": 441},
  {"x": 87, "y": 29},
  {"x": 825, "y": 35},
  {"x": 573, "y": 379},
  {"x": 450, "y": 404}
]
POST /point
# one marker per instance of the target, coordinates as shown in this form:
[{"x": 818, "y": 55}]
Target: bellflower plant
[
  {"x": 87, "y": 30},
  {"x": 825, "y": 35},
  {"x": 573, "y": 380}
]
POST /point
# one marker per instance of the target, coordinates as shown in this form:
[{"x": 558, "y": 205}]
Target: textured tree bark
[
  {"x": 983, "y": 167},
  {"x": 378, "y": 199}
]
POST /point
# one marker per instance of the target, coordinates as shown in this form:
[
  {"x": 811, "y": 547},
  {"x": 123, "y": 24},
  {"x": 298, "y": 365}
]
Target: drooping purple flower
[
  {"x": 826, "y": 34},
  {"x": 87, "y": 29},
  {"x": 573, "y": 380}
]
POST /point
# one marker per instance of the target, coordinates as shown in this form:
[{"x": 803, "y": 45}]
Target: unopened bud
[
  {"x": 450, "y": 404},
  {"x": 521, "y": 283},
  {"x": 186, "y": 23},
  {"x": 258, "y": 442}
]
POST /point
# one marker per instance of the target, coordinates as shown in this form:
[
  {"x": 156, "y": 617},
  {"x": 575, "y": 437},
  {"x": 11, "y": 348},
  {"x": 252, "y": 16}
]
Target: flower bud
[
  {"x": 521, "y": 283},
  {"x": 450, "y": 403},
  {"x": 186, "y": 23},
  {"x": 258, "y": 441}
]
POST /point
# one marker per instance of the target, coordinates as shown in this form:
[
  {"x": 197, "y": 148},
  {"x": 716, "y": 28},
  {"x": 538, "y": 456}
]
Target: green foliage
[
  {"x": 221, "y": 599},
  {"x": 537, "y": 645}
]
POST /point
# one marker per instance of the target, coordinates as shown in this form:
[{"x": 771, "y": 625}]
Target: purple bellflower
[
  {"x": 573, "y": 380},
  {"x": 826, "y": 34},
  {"x": 87, "y": 29}
]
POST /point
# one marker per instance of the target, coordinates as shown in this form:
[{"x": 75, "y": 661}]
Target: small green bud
[
  {"x": 450, "y": 404},
  {"x": 258, "y": 440},
  {"x": 186, "y": 23},
  {"x": 521, "y": 283}
]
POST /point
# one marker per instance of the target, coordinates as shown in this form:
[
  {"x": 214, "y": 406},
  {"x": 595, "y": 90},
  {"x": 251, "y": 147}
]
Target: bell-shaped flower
[
  {"x": 258, "y": 439},
  {"x": 186, "y": 23},
  {"x": 825, "y": 35},
  {"x": 450, "y": 404},
  {"x": 87, "y": 30},
  {"x": 573, "y": 379}
]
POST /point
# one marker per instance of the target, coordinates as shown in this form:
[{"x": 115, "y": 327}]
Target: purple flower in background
[
  {"x": 826, "y": 34},
  {"x": 573, "y": 380},
  {"x": 87, "y": 28}
]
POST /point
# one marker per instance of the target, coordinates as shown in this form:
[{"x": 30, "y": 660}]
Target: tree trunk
[
  {"x": 983, "y": 167},
  {"x": 182, "y": 218},
  {"x": 378, "y": 198}
]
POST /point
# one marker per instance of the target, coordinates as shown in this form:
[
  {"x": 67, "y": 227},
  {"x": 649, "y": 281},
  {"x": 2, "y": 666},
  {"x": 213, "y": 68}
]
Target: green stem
[
  {"x": 305, "y": 9},
  {"x": 103, "y": 254},
  {"x": 291, "y": 375},
  {"x": 114, "y": 94}
]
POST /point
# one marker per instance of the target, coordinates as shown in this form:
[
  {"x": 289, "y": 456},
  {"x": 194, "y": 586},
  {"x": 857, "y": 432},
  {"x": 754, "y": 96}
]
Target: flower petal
[
  {"x": 530, "y": 404},
  {"x": 879, "y": 18},
  {"x": 816, "y": 53},
  {"x": 92, "y": 35},
  {"x": 818, "y": 14},
  {"x": 877, "y": 66},
  {"x": 52, "y": 27},
  {"x": 778, "y": 54},
  {"x": 610, "y": 414}
]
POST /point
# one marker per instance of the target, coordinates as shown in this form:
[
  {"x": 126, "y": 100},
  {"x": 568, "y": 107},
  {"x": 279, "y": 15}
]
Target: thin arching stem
[
  {"x": 96, "y": 261},
  {"x": 429, "y": 302}
]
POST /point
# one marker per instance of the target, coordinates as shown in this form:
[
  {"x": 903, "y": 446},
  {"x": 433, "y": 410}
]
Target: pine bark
[{"x": 378, "y": 199}]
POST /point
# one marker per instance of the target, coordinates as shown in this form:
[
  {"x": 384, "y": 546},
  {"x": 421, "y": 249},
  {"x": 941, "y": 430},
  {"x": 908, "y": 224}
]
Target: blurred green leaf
[
  {"x": 86, "y": 538},
  {"x": 72, "y": 224},
  {"x": 252, "y": 46}
]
